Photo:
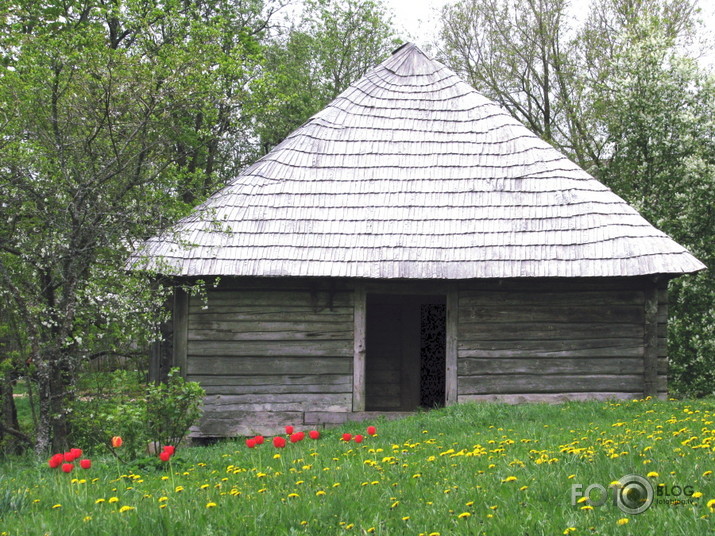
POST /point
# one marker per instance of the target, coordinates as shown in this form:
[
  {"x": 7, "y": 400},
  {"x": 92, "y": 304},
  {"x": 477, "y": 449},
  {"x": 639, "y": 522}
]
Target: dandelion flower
[
  {"x": 569, "y": 530},
  {"x": 464, "y": 515},
  {"x": 99, "y": 501},
  {"x": 54, "y": 507},
  {"x": 509, "y": 479},
  {"x": 87, "y": 518},
  {"x": 622, "y": 521},
  {"x": 126, "y": 508},
  {"x": 711, "y": 505},
  {"x": 163, "y": 499},
  {"x": 587, "y": 507},
  {"x": 179, "y": 489},
  {"x": 211, "y": 505},
  {"x": 697, "y": 495},
  {"x": 293, "y": 495},
  {"x": 113, "y": 500},
  {"x": 652, "y": 474},
  {"x": 707, "y": 473},
  {"x": 319, "y": 493}
]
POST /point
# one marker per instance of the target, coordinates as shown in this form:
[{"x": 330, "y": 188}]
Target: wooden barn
[{"x": 412, "y": 245}]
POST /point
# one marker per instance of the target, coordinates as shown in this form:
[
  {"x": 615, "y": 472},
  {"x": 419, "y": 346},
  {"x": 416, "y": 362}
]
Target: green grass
[{"x": 470, "y": 469}]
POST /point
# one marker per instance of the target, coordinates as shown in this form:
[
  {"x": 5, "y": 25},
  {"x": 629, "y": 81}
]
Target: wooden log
[
  {"x": 587, "y": 366},
  {"x": 320, "y": 300},
  {"x": 483, "y": 314},
  {"x": 650, "y": 343},
  {"x": 534, "y": 349},
  {"x": 256, "y": 313},
  {"x": 331, "y": 348},
  {"x": 268, "y": 380},
  {"x": 549, "y": 398},
  {"x": 535, "y": 331},
  {"x": 268, "y": 365},
  {"x": 552, "y": 299},
  {"x": 181, "y": 329},
  {"x": 549, "y": 383},
  {"x": 306, "y": 335},
  {"x": 451, "y": 346},
  {"x": 359, "y": 346},
  {"x": 245, "y": 423}
]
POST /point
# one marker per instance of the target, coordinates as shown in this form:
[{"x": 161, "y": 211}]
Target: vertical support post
[
  {"x": 359, "y": 351},
  {"x": 451, "y": 391},
  {"x": 181, "y": 329},
  {"x": 650, "y": 343}
]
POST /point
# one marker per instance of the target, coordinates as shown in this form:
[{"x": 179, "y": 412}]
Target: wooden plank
[
  {"x": 485, "y": 314},
  {"x": 321, "y": 300},
  {"x": 549, "y": 398},
  {"x": 479, "y": 367},
  {"x": 269, "y": 348},
  {"x": 451, "y": 350},
  {"x": 551, "y": 383},
  {"x": 307, "y": 335},
  {"x": 258, "y": 380},
  {"x": 268, "y": 365},
  {"x": 223, "y": 406},
  {"x": 552, "y": 299},
  {"x": 566, "y": 348},
  {"x": 245, "y": 423},
  {"x": 297, "y": 325},
  {"x": 534, "y": 331},
  {"x": 256, "y": 313},
  {"x": 181, "y": 329},
  {"x": 536, "y": 285},
  {"x": 316, "y": 418},
  {"x": 359, "y": 347},
  {"x": 650, "y": 343},
  {"x": 277, "y": 389}
]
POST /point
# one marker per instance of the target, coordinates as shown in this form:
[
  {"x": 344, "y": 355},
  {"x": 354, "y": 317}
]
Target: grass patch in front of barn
[{"x": 469, "y": 469}]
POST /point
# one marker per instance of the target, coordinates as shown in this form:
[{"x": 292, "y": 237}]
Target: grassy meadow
[{"x": 469, "y": 469}]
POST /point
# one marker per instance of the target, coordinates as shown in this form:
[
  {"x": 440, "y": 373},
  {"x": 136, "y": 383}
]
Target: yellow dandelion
[
  {"x": 99, "y": 501},
  {"x": 203, "y": 486},
  {"x": 652, "y": 474},
  {"x": 349, "y": 526},
  {"x": 470, "y": 503},
  {"x": 569, "y": 530},
  {"x": 126, "y": 508},
  {"x": 697, "y": 495},
  {"x": 711, "y": 505},
  {"x": 163, "y": 499},
  {"x": 371, "y": 530},
  {"x": 707, "y": 473},
  {"x": 54, "y": 507},
  {"x": 211, "y": 505},
  {"x": 582, "y": 500},
  {"x": 262, "y": 490},
  {"x": 319, "y": 493},
  {"x": 87, "y": 518},
  {"x": 509, "y": 479},
  {"x": 464, "y": 515},
  {"x": 622, "y": 521},
  {"x": 293, "y": 495},
  {"x": 304, "y": 523},
  {"x": 405, "y": 518},
  {"x": 179, "y": 489},
  {"x": 113, "y": 500},
  {"x": 162, "y": 505},
  {"x": 571, "y": 476},
  {"x": 494, "y": 507},
  {"x": 276, "y": 456},
  {"x": 523, "y": 488},
  {"x": 587, "y": 507},
  {"x": 435, "y": 534}
]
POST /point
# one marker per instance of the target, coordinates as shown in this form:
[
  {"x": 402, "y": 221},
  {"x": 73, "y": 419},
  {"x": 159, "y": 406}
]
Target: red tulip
[
  {"x": 67, "y": 467},
  {"x": 371, "y": 430},
  {"x": 314, "y": 434},
  {"x": 358, "y": 438},
  {"x": 294, "y": 438},
  {"x": 117, "y": 441},
  {"x": 259, "y": 439},
  {"x": 347, "y": 437},
  {"x": 170, "y": 449},
  {"x": 289, "y": 429},
  {"x": 76, "y": 453},
  {"x": 301, "y": 435},
  {"x": 85, "y": 464},
  {"x": 68, "y": 456},
  {"x": 56, "y": 461},
  {"x": 279, "y": 442},
  {"x": 250, "y": 443},
  {"x": 164, "y": 456}
]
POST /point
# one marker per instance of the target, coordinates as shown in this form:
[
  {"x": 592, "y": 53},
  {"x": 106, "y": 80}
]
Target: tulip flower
[
  {"x": 289, "y": 430},
  {"x": 250, "y": 443},
  {"x": 77, "y": 453},
  {"x": 117, "y": 442},
  {"x": 68, "y": 456},
  {"x": 259, "y": 439},
  {"x": 56, "y": 461},
  {"x": 358, "y": 438},
  {"x": 85, "y": 464},
  {"x": 347, "y": 437},
  {"x": 314, "y": 434},
  {"x": 170, "y": 449},
  {"x": 294, "y": 438},
  {"x": 164, "y": 456},
  {"x": 67, "y": 467},
  {"x": 279, "y": 442},
  {"x": 371, "y": 430}
]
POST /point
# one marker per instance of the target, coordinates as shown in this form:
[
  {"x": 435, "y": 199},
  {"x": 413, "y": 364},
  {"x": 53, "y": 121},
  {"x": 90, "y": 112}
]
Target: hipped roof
[{"x": 410, "y": 173}]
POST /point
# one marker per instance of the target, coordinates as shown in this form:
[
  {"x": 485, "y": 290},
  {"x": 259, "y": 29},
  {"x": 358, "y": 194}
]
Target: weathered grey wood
[
  {"x": 551, "y": 299},
  {"x": 305, "y": 335},
  {"x": 567, "y": 365},
  {"x": 359, "y": 352},
  {"x": 532, "y": 349},
  {"x": 277, "y": 388},
  {"x": 181, "y": 328},
  {"x": 256, "y": 313},
  {"x": 482, "y": 314},
  {"x": 262, "y": 365},
  {"x": 650, "y": 343},
  {"x": 551, "y": 398},
  {"x": 220, "y": 348},
  {"x": 320, "y": 300},
  {"x": 534, "y": 331},
  {"x": 451, "y": 351},
  {"x": 317, "y": 418},
  {"x": 276, "y": 379},
  {"x": 551, "y": 383},
  {"x": 245, "y": 423}
]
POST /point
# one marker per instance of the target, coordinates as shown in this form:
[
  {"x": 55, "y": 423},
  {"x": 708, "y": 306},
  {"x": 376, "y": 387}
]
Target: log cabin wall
[
  {"x": 268, "y": 353},
  {"x": 555, "y": 340}
]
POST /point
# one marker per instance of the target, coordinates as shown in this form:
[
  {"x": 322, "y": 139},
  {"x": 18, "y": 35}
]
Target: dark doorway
[{"x": 405, "y": 352}]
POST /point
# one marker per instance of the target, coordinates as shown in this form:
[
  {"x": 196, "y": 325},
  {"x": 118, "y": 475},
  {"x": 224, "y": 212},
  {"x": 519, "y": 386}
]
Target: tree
[
  {"x": 333, "y": 45},
  {"x": 116, "y": 117}
]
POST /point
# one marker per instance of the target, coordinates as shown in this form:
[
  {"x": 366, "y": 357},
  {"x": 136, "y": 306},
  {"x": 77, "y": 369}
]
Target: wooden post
[
  {"x": 451, "y": 347},
  {"x": 181, "y": 329},
  {"x": 359, "y": 318},
  {"x": 650, "y": 343}
]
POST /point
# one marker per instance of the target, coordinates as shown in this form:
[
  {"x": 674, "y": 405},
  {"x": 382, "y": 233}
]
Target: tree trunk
[
  {"x": 8, "y": 418},
  {"x": 52, "y": 429}
]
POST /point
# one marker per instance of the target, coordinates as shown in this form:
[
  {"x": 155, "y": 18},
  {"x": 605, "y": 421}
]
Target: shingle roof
[{"x": 410, "y": 173}]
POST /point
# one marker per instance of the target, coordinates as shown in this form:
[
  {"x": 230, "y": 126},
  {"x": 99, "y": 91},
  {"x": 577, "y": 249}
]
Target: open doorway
[{"x": 405, "y": 352}]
